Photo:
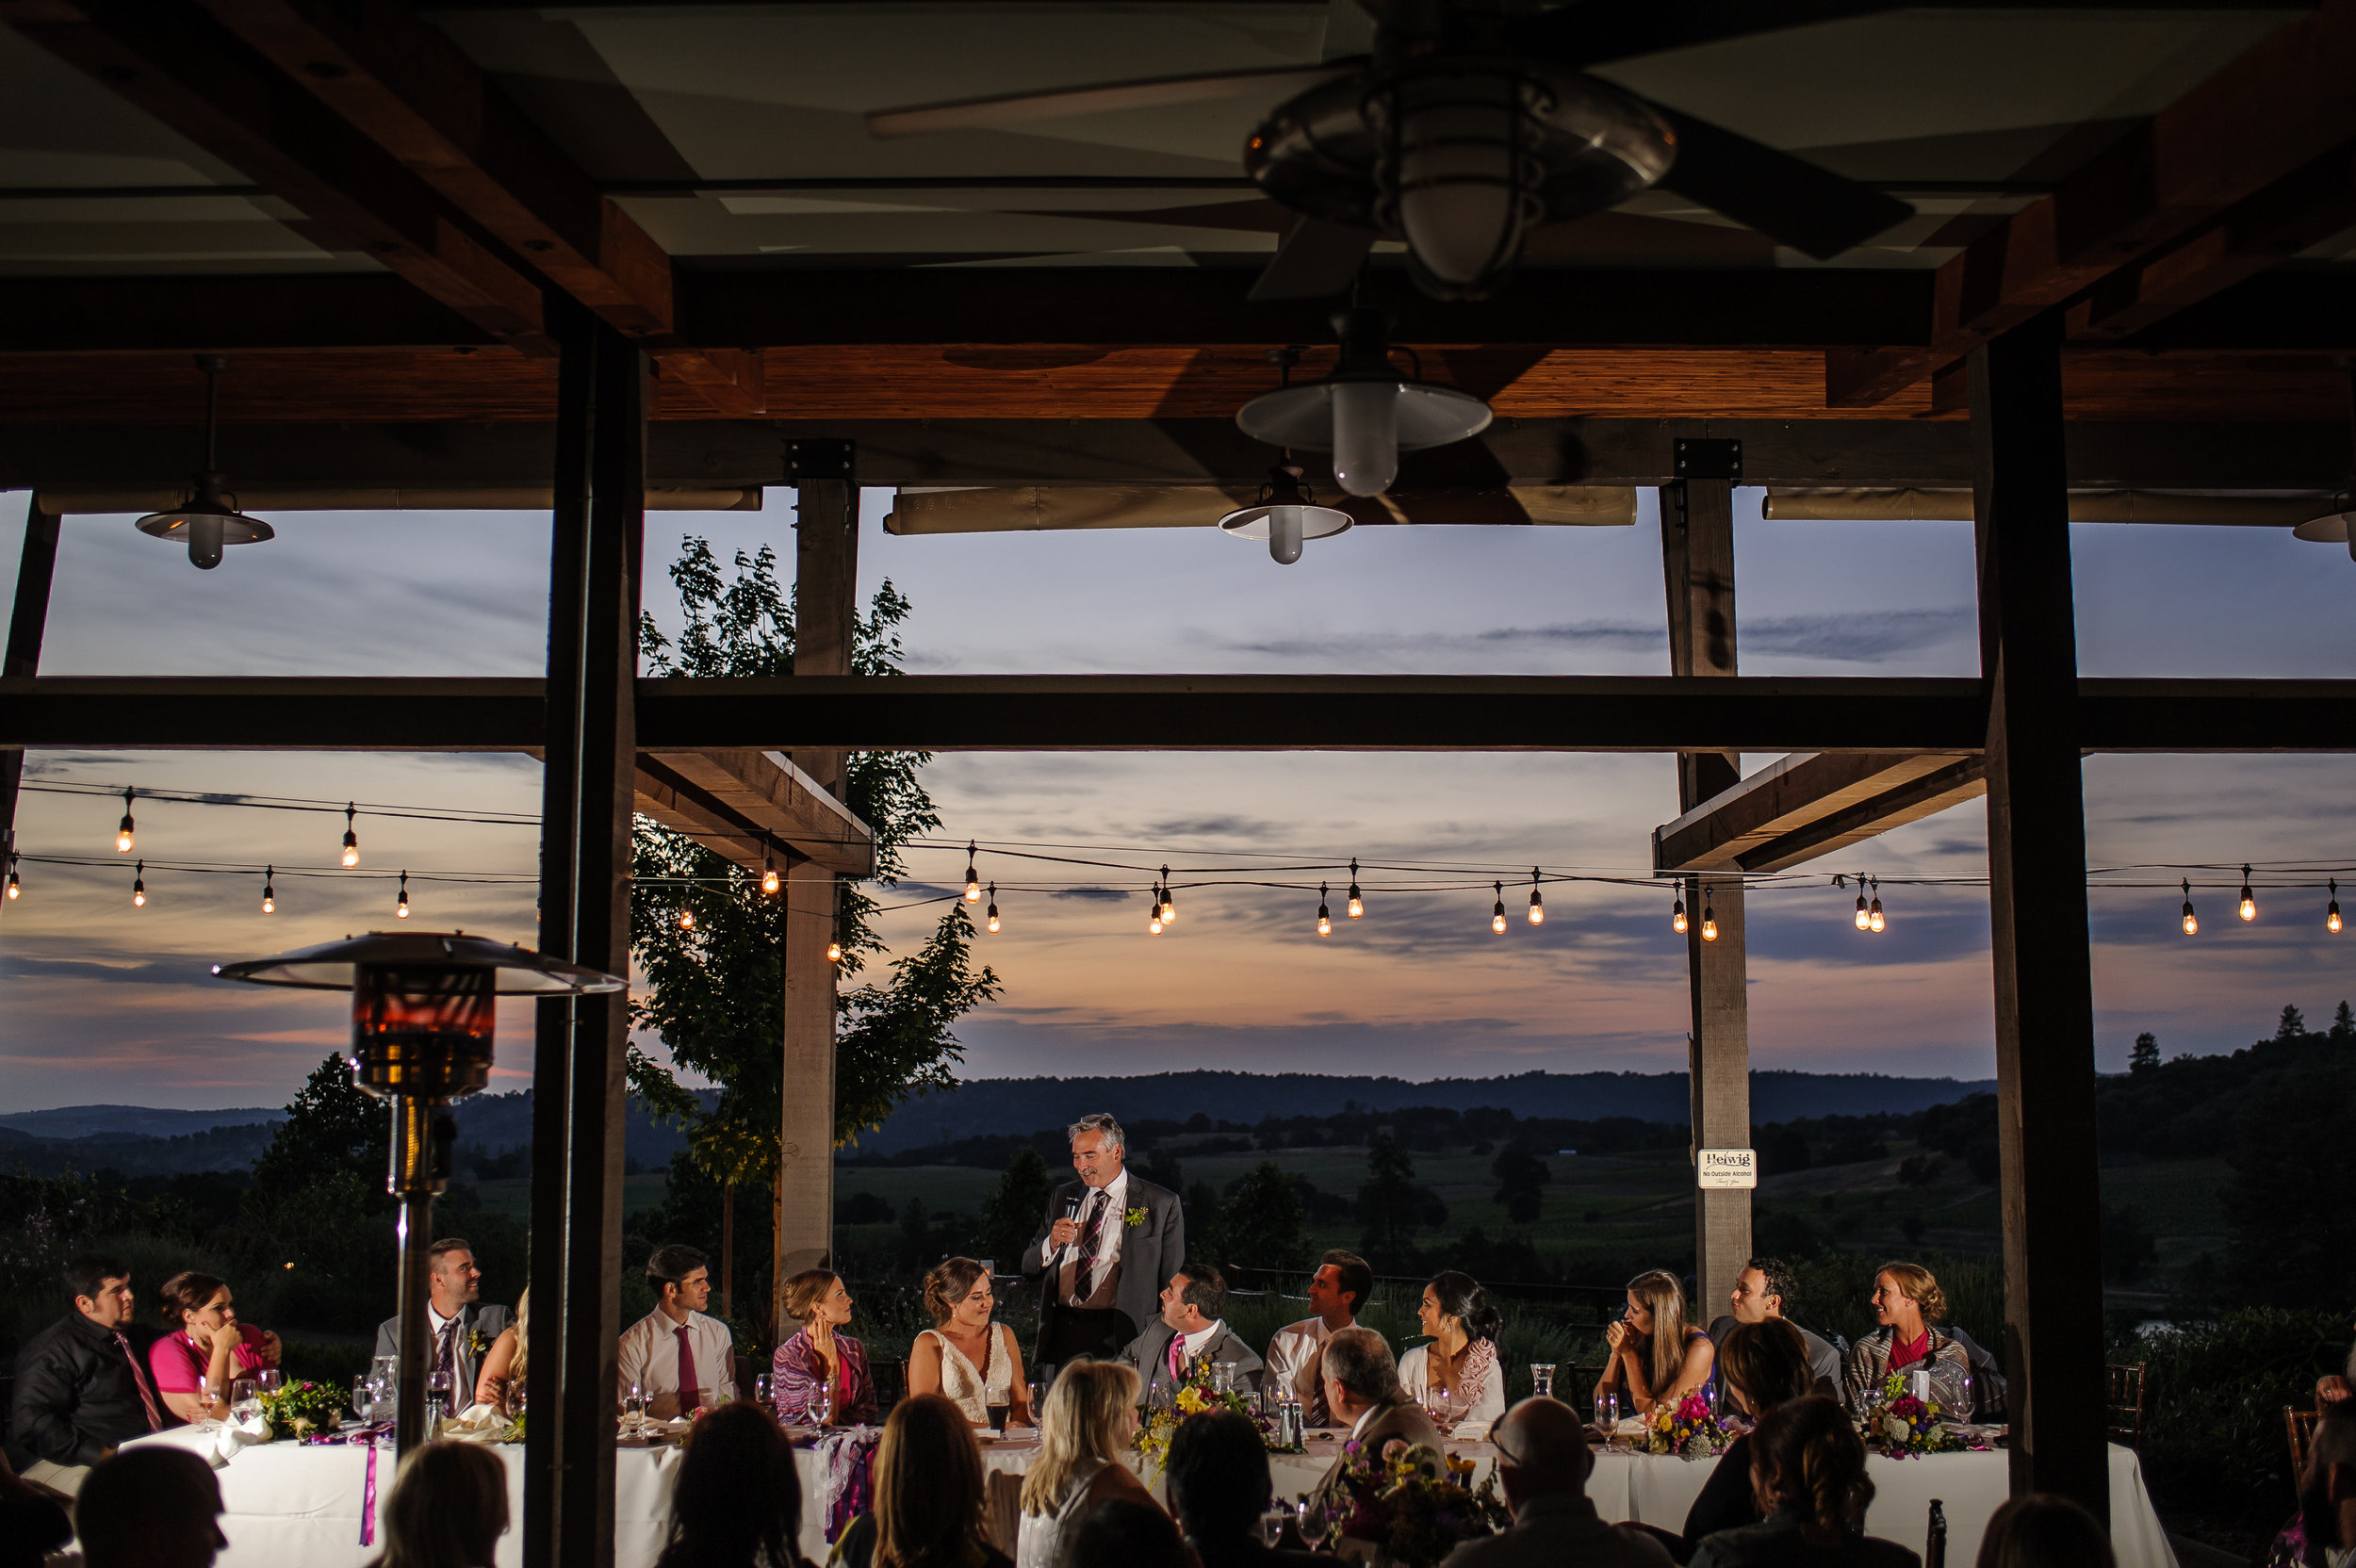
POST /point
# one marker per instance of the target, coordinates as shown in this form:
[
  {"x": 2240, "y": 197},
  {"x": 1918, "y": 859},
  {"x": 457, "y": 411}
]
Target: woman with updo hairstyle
[
  {"x": 819, "y": 1377},
  {"x": 1657, "y": 1353},
  {"x": 1760, "y": 1365},
  {"x": 205, "y": 1347},
  {"x": 1907, "y": 1302},
  {"x": 1808, "y": 1472},
  {"x": 1461, "y": 1362},
  {"x": 966, "y": 1358}
]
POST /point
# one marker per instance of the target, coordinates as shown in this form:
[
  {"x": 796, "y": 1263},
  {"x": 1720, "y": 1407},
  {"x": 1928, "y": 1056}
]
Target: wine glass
[
  {"x": 245, "y": 1399},
  {"x": 268, "y": 1378},
  {"x": 207, "y": 1397},
  {"x": 1272, "y": 1524},
  {"x": 363, "y": 1399},
  {"x": 633, "y": 1409},
  {"x": 760, "y": 1388}
]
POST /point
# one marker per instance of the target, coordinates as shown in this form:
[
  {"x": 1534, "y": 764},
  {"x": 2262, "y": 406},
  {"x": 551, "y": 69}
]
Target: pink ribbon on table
[{"x": 367, "y": 1502}]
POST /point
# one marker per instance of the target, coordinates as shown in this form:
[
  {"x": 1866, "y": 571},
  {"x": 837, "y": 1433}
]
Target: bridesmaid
[
  {"x": 964, "y": 1355},
  {"x": 820, "y": 1365}
]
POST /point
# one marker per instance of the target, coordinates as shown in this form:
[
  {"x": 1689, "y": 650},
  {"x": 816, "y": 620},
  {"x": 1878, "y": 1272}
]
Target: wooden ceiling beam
[
  {"x": 741, "y": 803},
  {"x": 2263, "y": 119},
  {"x": 1811, "y": 805},
  {"x": 172, "y": 64},
  {"x": 406, "y": 86}
]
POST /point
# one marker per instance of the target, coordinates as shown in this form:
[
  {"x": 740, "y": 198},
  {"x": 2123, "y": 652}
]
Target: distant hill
[
  {"x": 99, "y": 1122},
  {"x": 985, "y": 1105}
]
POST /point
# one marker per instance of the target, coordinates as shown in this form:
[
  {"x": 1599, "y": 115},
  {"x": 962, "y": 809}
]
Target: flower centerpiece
[
  {"x": 1415, "y": 1503},
  {"x": 299, "y": 1408},
  {"x": 1689, "y": 1429},
  {"x": 1900, "y": 1424},
  {"x": 1196, "y": 1393}
]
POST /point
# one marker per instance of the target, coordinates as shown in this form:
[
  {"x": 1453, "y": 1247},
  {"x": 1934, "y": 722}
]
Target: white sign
[{"x": 1726, "y": 1168}]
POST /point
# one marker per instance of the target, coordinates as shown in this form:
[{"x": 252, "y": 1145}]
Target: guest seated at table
[
  {"x": 1809, "y": 1470},
  {"x": 819, "y": 1377},
  {"x": 1988, "y": 1388},
  {"x": 2324, "y": 1528},
  {"x": 1338, "y": 1293},
  {"x": 1220, "y": 1489},
  {"x": 501, "y": 1380},
  {"x": 1190, "y": 1333},
  {"x": 680, "y": 1355},
  {"x": 2041, "y": 1531},
  {"x": 81, "y": 1383},
  {"x": 1124, "y": 1533},
  {"x": 1765, "y": 1288},
  {"x": 204, "y": 1347},
  {"x": 154, "y": 1508},
  {"x": 1760, "y": 1365},
  {"x": 459, "y": 1329},
  {"x": 447, "y": 1508},
  {"x": 31, "y": 1523},
  {"x": 1361, "y": 1389},
  {"x": 1656, "y": 1355},
  {"x": 738, "y": 1502},
  {"x": 1086, "y": 1429},
  {"x": 1543, "y": 1463},
  {"x": 964, "y": 1356},
  {"x": 1461, "y": 1362},
  {"x": 929, "y": 1495},
  {"x": 1907, "y": 1300}
]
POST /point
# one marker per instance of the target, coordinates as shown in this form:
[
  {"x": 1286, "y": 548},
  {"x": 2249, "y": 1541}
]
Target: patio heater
[{"x": 421, "y": 1017}]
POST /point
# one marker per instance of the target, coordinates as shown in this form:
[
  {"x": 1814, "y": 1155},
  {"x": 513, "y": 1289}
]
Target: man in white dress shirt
[
  {"x": 1295, "y": 1356},
  {"x": 1104, "y": 1246},
  {"x": 681, "y": 1359}
]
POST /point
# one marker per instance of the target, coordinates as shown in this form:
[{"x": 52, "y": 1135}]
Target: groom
[{"x": 1109, "y": 1243}]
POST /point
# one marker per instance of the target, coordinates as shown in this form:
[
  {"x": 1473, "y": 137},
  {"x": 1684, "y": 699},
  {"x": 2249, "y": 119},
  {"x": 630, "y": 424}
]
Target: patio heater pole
[{"x": 414, "y": 1181}]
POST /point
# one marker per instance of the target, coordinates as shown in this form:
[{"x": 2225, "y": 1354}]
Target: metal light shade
[
  {"x": 1303, "y": 417},
  {"x": 2333, "y": 528},
  {"x": 335, "y": 966},
  {"x": 1363, "y": 412},
  {"x": 208, "y": 523},
  {"x": 1284, "y": 516}
]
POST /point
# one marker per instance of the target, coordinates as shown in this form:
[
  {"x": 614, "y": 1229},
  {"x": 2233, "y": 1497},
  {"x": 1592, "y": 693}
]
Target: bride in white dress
[{"x": 964, "y": 1355}]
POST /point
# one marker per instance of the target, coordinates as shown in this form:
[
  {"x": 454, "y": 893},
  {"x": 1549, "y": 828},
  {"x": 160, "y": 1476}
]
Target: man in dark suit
[
  {"x": 1108, "y": 1242},
  {"x": 459, "y": 1331},
  {"x": 1188, "y": 1333},
  {"x": 1361, "y": 1388}
]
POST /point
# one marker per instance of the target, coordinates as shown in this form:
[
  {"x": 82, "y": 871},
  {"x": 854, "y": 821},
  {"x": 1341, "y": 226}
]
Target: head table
[{"x": 284, "y": 1502}]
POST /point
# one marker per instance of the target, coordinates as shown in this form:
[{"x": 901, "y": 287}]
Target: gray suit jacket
[
  {"x": 1149, "y": 1252},
  {"x": 473, "y": 1319},
  {"x": 1823, "y": 1362},
  {"x": 1150, "y": 1354},
  {"x": 1401, "y": 1418},
  {"x": 1549, "y": 1532}
]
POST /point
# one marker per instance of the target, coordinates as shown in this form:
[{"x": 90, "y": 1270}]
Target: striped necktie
[{"x": 138, "y": 1378}]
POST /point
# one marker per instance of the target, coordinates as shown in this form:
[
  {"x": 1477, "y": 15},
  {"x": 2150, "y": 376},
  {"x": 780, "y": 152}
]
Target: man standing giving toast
[{"x": 1109, "y": 1243}]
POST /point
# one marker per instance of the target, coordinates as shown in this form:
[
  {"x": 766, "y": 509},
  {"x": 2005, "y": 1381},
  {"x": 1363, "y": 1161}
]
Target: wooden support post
[
  {"x": 1697, "y": 558},
  {"x": 826, "y": 606},
  {"x": 2036, "y": 854},
  {"x": 36, "y": 567},
  {"x": 583, "y": 1044}
]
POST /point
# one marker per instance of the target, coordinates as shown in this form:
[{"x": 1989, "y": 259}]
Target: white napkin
[
  {"x": 478, "y": 1424},
  {"x": 221, "y": 1443}
]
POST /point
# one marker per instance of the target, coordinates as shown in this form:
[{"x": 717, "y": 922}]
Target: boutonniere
[
  {"x": 477, "y": 1347},
  {"x": 1133, "y": 1218}
]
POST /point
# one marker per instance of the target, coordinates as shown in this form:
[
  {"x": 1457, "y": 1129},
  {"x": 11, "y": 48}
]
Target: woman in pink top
[{"x": 205, "y": 1348}]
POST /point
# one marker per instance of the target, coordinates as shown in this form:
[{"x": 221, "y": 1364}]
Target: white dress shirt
[
  {"x": 1108, "y": 1234},
  {"x": 649, "y": 1358},
  {"x": 1295, "y": 1359}
]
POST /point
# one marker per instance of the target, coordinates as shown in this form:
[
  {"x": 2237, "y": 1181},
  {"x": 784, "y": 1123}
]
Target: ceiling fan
[{"x": 1474, "y": 122}]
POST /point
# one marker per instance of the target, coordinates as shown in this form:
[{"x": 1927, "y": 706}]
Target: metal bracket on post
[
  {"x": 1700, "y": 457},
  {"x": 809, "y": 461}
]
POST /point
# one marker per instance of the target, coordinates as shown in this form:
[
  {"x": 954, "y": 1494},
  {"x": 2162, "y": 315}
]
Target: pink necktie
[
  {"x": 1177, "y": 1355},
  {"x": 689, "y": 1394},
  {"x": 138, "y": 1377}
]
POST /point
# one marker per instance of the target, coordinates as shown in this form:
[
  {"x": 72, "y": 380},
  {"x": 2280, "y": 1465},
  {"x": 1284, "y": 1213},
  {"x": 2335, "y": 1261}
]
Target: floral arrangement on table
[
  {"x": 1416, "y": 1503},
  {"x": 299, "y": 1408},
  {"x": 1195, "y": 1394},
  {"x": 1689, "y": 1429},
  {"x": 1901, "y": 1425}
]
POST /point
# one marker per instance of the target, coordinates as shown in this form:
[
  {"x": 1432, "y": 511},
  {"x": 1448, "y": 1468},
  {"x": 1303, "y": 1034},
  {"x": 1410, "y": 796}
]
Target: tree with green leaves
[
  {"x": 2293, "y": 1024},
  {"x": 1260, "y": 1226},
  {"x": 1011, "y": 1215},
  {"x": 2146, "y": 1056},
  {"x": 331, "y": 1128},
  {"x": 1520, "y": 1176}
]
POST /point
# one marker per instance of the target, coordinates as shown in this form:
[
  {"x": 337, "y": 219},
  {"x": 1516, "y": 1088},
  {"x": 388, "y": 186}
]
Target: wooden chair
[
  {"x": 1003, "y": 1507},
  {"x": 2123, "y": 1402},
  {"x": 2299, "y": 1427},
  {"x": 891, "y": 1385},
  {"x": 1580, "y": 1397}
]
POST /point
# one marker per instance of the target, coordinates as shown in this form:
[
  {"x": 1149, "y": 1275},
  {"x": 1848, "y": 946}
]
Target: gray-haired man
[{"x": 1109, "y": 1243}]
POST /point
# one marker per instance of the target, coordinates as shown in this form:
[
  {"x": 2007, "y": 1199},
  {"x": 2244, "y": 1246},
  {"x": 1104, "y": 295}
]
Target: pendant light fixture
[
  {"x": 1169, "y": 905},
  {"x": 16, "y": 885},
  {"x": 1537, "y": 905},
  {"x": 2247, "y": 908},
  {"x": 2192, "y": 922},
  {"x": 209, "y": 521},
  {"x": 1873, "y": 915},
  {"x": 834, "y": 953},
  {"x": 993, "y": 907},
  {"x": 1285, "y": 515},
  {"x": 123, "y": 837},
  {"x": 1325, "y": 915},
  {"x": 1677, "y": 913},
  {"x": 770, "y": 881},
  {"x": 1356, "y": 908},
  {"x": 401, "y": 910},
  {"x": 1364, "y": 411},
  {"x": 2331, "y": 915},
  {"x": 269, "y": 890},
  {"x": 139, "y": 886},
  {"x": 1864, "y": 917},
  {"x": 352, "y": 837},
  {"x": 1153, "y": 915},
  {"x": 1497, "y": 916},
  {"x": 972, "y": 877},
  {"x": 686, "y": 918},
  {"x": 1709, "y": 921}
]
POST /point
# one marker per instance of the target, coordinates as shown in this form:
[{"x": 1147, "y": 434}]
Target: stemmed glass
[
  {"x": 633, "y": 1409},
  {"x": 760, "y": 1389},
  {"x": 269, "y": 1380},
  {"x": 205, "y": 1397},
  {"x": 1542, "y": 1379},
  {"x": 245, "y": 1399}
]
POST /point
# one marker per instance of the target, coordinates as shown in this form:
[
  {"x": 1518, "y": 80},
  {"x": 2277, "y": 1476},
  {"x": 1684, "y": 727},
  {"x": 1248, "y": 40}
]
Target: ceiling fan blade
[
  {"x": 1317, "y": 259},
  {"x": 1788, "y": 199},
  {"x": 1596, "y": 32},
  {"x": 969, "y": 114}
]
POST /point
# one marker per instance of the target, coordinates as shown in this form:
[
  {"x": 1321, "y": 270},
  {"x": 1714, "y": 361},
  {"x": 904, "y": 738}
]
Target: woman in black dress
[{"x": 1762, "y": 1365}]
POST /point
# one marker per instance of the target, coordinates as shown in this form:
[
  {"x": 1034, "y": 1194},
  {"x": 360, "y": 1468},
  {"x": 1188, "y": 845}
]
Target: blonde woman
[
  {"x": 501, "y": 1380},
  {"x": 965, "y": 1356},
  {"x": 1907, "y": 1303},
  {"x": 1656, "y": 1353},
  {"x": 1090, "y": 1418}
]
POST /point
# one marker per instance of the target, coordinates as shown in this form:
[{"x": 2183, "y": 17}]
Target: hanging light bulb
[
  {"x": 1284, "y": 516},
  {"x": 1709, "y": 922},
  {"x": 270, "y": 892},
  {"x": 770, "y": 881},
  {"x": 1677, "y": 913},
  {"x": 834, "y": 953},
  {"x": 401, "y": 910},
  {"x": 2192, "y": 922},
  {"x": 351, "y": 838},
  {"x": 122, "y": 829},
  {"x": 686, "y": 918},
  {"x": 972, "y": 877},
  {"x": 2331, "y": 916},
  {"x": 1325, "y": 915},
  {"x": 1537, "y": 905},
  {"x": 1497, "y": 916},
  {"x": 2249, "y": 907},
  {"x": 16, "y": 888},
  {"x": 1153, "y": 915},
  {"x": 1169, "y": 905},
  {"x": 209, "y": 518},
  {"x": 1356, "y": 908},
  {"x": 993, "y": 907},
  {"x": 1873, "y": 915},
  {"x": 1364, "y": 411},
  {"x": 139, "y": 886},
  {"x": 1864, "y": 916}
]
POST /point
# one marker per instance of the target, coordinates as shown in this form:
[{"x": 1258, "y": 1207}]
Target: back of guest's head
[
  {"x": 1120, "y": 1532},
  {"x": 806, "y": 1292},
  {"x": 1219, "y": 1483},
  {"x": 2041, "y": 1531},
  {"x": 1545, "y": 1445},
  {"x": 1355, "y": 1277},
  {"x": 950, "y": 1281},
  {"x": 1206, "y": 1289},
  {"x": 1088, "y": 1417},
  {"x": 1767, "y": 1364},
  {"x": 1919, "y": 1286},
  {"x": 738, "y": 1503},
  {"x": 672, "y": 1264},
  {"x": 1462, "y": 1299},
  {"x": 447, "y": 1508},
  {"x": 1807, "y": 1454},
  {"x": 186, "y": 1292},
  {"x": 928, "y": 1487},
  {"x": 151, "y": 1508},
  {"x": 85, "y": 1272},
  {"x": 1361, "y": 1361}
]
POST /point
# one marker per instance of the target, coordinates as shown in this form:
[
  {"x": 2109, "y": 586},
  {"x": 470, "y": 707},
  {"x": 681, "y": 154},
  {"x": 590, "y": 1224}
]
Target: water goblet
[
  {"x": 633, "y": 1409},
  {"x": 363, "y": 1396},
  {"x": 268, "y": 1378},
  {"x": 245, "y": 1399},
  {"x": 1272, "y": 1524},
  {"x": 1542, "y": 1379},
  {"x": 760, "y": 1389}
]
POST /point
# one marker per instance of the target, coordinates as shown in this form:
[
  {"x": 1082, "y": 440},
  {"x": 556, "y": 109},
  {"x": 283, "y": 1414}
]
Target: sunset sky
[{"x": 109, "y": 1003}]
